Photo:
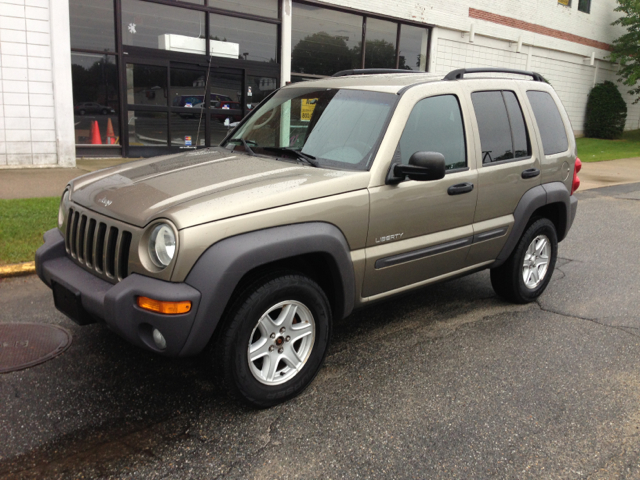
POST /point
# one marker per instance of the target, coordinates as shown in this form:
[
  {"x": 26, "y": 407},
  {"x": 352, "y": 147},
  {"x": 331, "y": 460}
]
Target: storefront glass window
[
  {"x": 146, "y": 85},
  {"x": 187, "y": 88},
  {"x": 162, "y": 27},
  {"x": 413, "y": 48},
  {"x": 243, "y": 39},
  {"x": 324, "y": 41},
  {"x": 95, "y": 99},
  {"x": 380, "y": 51},
  {"x": 263, "y": 8},
  {"x": 92, "y": 25},
  {"x": 147, "y": 129},
  {"x": 259, "y": 87},
  {"x": 187, "y": 130}
]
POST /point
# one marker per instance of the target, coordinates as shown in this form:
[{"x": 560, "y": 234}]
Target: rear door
[{"x": 508, "y": 165}]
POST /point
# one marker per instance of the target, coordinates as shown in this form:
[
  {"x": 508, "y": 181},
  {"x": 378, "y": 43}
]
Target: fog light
[{"x": 158, "y": 339}]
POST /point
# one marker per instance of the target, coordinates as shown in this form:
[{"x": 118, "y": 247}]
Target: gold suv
[{"x": 331, "y": 195}]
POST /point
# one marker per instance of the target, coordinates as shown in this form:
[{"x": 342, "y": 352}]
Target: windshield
[{"x": 335, "y": 127}]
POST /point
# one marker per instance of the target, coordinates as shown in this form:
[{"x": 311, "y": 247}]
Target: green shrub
[{"x": 606, "y": 112}]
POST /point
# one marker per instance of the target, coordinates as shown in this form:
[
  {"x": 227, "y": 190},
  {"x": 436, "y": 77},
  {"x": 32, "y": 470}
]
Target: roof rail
[
  {"x": 460, "y": 73},
  {"x": 371, "y": 71}
]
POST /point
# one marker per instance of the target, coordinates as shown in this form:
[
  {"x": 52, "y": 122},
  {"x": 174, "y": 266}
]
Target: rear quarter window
[{"x": 550, "y": 124}]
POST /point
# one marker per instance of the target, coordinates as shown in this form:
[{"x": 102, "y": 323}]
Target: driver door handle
[{"x": 460, "y": 188}]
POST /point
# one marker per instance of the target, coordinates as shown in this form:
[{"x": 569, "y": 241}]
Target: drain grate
[{"x": 23, "y": 345}]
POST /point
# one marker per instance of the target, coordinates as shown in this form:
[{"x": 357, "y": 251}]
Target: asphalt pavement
[{"x": 447, "y": 382}]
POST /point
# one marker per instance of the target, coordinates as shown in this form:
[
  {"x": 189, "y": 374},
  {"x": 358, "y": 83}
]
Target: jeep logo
[
  {"x": 105, "y": 202},
  {"x": 388, "y": 238}
]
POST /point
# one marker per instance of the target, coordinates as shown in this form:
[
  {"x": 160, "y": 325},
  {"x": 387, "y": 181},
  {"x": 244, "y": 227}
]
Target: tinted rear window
[
  {"x": 554, "y": 136},
  {"x": 503, "y": 133}
]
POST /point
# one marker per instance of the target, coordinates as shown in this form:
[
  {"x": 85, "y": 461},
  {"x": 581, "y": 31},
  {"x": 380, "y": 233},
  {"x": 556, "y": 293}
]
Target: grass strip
[
  {"x": 22, "y": 223},
  {"x": 598, "y": 150}
]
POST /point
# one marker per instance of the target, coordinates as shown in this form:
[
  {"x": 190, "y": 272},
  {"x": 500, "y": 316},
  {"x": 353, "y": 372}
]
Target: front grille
[{"x": 97, "y": 244}]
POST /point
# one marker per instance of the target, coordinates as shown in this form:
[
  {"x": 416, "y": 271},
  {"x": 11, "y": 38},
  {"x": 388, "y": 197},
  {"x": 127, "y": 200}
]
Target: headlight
[
  {"x": 63, "y": 202},
  {"x": 162, "y": 245}
]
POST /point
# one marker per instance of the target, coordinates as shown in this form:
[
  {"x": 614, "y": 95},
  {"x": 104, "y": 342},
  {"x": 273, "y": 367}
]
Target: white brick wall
[{"x": 29, "y": 134}]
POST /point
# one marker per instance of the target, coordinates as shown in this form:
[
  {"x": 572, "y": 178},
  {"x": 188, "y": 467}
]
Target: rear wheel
[
  {"x": 527, "y": 272},
  {"x": 274, "y": 339}
]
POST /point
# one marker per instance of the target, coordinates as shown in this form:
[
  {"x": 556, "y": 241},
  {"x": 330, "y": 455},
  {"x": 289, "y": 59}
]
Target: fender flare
[
  {"x": 220, "y": 268},
  {"x": 532, "y": 200}
]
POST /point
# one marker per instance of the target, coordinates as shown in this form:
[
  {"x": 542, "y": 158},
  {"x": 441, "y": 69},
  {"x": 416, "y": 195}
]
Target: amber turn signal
[{"x": 168, "y": 308}]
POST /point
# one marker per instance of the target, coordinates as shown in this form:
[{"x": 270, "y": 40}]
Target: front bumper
[{"x": 116, "y": 304}]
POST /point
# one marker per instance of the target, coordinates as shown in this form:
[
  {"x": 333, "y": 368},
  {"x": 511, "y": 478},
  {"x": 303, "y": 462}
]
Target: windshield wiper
[
  {"x": 244, "y": 144},
  {"x": 309, "y": 159}
]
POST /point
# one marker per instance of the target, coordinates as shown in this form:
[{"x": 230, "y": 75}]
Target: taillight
[{"x": 576, "y": 181}]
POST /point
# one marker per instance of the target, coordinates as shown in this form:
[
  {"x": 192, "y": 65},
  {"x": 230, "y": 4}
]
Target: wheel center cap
[{"x": 279, "y": 341}]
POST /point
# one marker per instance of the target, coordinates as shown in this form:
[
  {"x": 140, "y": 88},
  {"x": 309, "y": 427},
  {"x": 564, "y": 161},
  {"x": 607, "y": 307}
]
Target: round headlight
[
  {"x": 162, "y": 245},
  {"x": 63, "y": 202}
]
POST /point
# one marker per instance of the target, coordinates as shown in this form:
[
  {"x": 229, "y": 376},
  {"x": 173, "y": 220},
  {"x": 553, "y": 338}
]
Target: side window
[
  {"x": 552, "y": 131},
  {"x": 503, "y": 132},
  {"x": 435, "y": 125}
]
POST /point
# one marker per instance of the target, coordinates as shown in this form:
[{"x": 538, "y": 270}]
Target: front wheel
[
  {"x": 527, "y": 272},
  {"x": 273, "y": 339}
]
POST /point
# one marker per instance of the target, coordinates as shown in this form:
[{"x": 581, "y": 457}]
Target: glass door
[{"x": 176, "y": 106}]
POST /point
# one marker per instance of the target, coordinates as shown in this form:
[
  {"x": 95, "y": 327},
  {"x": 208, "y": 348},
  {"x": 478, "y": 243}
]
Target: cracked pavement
[{"x": 447, "y": 382}]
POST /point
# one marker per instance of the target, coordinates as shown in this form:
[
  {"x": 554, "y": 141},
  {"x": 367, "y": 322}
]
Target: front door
[{"x": 422, "y": 230}]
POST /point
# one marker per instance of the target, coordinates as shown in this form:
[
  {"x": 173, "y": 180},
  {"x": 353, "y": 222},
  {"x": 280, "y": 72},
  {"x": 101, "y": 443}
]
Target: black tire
[
  {"x": 507, "y": 280},
  {"x": 81, "y": 112},
  {"x": 229, "y": 351},
  {"x": 104, "y": 111}
]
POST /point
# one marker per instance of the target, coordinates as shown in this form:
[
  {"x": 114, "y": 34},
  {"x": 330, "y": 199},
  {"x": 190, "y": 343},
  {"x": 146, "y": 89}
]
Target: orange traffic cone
[
  {"x": 95, "y": 134},
  {"x": 111, "y": 138}
]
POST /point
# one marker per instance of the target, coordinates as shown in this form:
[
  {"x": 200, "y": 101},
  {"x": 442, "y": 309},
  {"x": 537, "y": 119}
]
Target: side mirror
[{"x": 423, "y": 166}]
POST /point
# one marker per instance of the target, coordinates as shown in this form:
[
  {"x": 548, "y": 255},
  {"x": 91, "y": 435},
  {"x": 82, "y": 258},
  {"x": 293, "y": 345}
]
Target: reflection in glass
[
  {"x": 95, "y": 99},
  {"x": 518, "y": 127},
  {"x": 493, "y": 124},
  {"x": 146, "y": 85},
  {"x": 435, "y": 125},
  {"x": 263, "y": 8},
  {"x": 92, "y": 25},
  {"x": 380, "y": 51},
  {"x": 413, "y": 48},
  {"x": 244, "y": 39},
  {"x": 163, "y": 27},
  {"x": 147, "y": 129},
  {"x": 259, "y": 87},
  {"x": 340, "y": 128},
  {"x": 187, "y": 130},
  {"x": 324, "y": 41},
  {"x": 187, "y": 88}
]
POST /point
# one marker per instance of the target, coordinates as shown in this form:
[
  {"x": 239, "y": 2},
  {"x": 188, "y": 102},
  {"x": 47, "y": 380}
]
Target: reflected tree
[
  {"x": 322, "y": 54},
  {"x": 98, "y": 83}
]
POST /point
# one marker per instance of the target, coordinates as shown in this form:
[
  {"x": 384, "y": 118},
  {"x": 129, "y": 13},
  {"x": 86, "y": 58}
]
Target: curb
[{"x": 18, "y": 269}]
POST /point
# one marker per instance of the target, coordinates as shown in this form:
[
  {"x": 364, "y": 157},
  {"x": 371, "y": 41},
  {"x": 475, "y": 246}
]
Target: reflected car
[{"x": 92, "y": 107}]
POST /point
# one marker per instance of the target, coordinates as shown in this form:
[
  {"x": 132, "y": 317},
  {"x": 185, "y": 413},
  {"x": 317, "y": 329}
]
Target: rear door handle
[
  {"x": 530, "y": 173},
  {"x": 460, "y": 188}
]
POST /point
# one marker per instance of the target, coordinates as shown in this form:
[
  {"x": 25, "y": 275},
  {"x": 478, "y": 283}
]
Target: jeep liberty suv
[{"x": 331, "y": 195}]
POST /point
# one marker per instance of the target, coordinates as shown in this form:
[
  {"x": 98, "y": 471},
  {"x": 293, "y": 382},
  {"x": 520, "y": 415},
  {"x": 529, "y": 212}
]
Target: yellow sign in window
[
  {"x": 566, "y": 3},
  {"x": 306, "y": 109}
]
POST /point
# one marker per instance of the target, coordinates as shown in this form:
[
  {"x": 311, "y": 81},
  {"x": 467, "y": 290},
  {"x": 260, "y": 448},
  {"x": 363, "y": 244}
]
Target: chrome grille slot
[
  {"x": 123, "y": 257},
  {"x": 74, "y": 235},
  {"x": 81, "y": 237},
  {"x": 89, "y": 242},
  {"x": 110, "y": 251},
  {"x": 67, "y": 237},
  {"x": 102, "y": 229},
  {"x": 99, "y": 244}
]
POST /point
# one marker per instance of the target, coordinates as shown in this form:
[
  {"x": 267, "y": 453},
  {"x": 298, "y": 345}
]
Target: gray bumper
[{"x": 116, "y": 304}]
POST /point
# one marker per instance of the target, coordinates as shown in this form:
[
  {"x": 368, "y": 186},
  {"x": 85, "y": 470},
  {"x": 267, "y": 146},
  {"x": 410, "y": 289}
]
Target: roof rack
[
  {"x": 371, "y": 71},
  {"x": 460, "y": 73}
]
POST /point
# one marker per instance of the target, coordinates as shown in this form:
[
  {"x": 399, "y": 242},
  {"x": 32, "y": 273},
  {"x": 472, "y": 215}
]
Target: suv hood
[{"x": 204, "y": 186}]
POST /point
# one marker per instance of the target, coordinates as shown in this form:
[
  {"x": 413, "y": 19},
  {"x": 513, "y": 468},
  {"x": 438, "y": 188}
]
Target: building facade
[{"x": 146, "y": 77}]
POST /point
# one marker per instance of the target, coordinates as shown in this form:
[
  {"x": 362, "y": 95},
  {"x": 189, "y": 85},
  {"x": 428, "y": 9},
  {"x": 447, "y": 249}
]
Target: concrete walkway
[{"x": 49, "y": 182}]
